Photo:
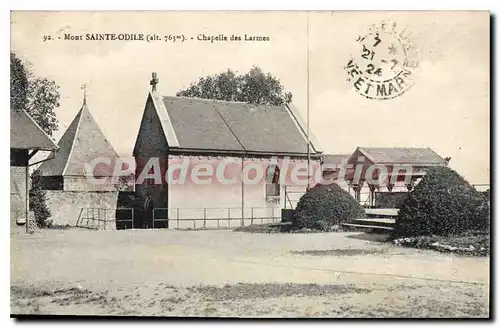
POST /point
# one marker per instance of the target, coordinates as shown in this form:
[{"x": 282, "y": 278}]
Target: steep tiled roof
[
  {"x": 82, "y": 143},
  {"x": 26, "y": 134},
  {"x": 336, "y": 159},
  {"x": 234, "y": 126},
  {"x": 423, "y": 156}
]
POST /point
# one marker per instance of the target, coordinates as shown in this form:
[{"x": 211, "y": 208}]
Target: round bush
[
  {"x": 443, "y": 203},
  {"x": 325, "y": 206}
]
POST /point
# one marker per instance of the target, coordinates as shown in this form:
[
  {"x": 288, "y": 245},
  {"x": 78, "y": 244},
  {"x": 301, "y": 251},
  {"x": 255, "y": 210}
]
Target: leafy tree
[
  {"x": 18, "y": 83},
  {"x": 255, "y": 87},
  {"x": 38, "y": 96}
]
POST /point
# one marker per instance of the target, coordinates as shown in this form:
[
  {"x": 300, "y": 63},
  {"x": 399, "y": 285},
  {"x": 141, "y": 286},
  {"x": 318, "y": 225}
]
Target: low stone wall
[{"x": 65, "y": 206}]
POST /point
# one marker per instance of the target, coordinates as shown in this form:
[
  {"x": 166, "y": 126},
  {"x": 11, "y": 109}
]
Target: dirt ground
[{"x": 237, "y": 274}]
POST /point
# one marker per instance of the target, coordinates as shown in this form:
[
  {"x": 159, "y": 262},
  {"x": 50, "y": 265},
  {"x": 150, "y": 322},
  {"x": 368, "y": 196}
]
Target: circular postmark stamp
[{"x": 386, "y": 62}]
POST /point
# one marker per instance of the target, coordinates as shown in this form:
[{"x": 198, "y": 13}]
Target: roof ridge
[
  {"x": 95, "y": 122},
  {"x": 364, "y": 152},
  {"x": 294, "y": 114},
  {"x": 222, "y": 101},
  {"x": 402, "y": 154},
  {"x": 80, "y": 112}
]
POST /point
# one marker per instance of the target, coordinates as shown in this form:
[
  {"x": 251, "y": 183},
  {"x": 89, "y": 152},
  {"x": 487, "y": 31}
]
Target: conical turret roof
[{"x": 82, "y": 143}]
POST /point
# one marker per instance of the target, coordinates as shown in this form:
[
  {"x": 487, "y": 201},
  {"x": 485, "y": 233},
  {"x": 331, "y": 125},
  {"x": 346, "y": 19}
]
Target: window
[{"x": 272, "y": 181}]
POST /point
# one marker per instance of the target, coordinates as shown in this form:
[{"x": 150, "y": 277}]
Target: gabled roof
[
  {"x": 336, "y": 159},
  {"x": 202, "y": 124},
  {"x": 421, "y": 156},
  {"x": 25, "y": 133},
  {"x": 82, "y": 143},
  {"x": 333, "y": 161}
]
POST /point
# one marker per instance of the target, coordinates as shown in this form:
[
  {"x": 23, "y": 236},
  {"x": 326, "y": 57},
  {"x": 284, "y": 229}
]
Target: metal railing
[
  {"x": 192, "y": 218},
  {"x": 103, "y": 218},
  {"x": 213, "y": 217}
]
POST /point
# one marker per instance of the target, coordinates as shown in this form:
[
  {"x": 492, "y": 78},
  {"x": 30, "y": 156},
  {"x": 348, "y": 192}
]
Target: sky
[{"x": 446, "y": 109}]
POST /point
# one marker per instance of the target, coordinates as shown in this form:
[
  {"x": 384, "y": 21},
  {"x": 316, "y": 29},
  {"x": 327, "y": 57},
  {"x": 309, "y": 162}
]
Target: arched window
[{"x": 272, "y": 181}]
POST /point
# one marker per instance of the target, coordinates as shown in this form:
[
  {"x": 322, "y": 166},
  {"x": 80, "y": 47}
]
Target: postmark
[{"x": 385, "y": 66}]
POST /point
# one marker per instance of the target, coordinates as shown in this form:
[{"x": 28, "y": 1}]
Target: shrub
[
  {"x": 443, "y": 203},
  {"x": 325, "y": 206},
  {"x": 483, "y": 213},
  {"x": 38, "y": 200}
]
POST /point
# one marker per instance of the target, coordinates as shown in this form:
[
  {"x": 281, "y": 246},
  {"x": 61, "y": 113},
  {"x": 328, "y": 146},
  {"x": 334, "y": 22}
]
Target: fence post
[
  {"x": 204, "y": 217},
  {"x": 79, "y": 217},
  {"x": 132, "y": 218},
  {"x": 153, "y": 218},
  {"x": 285, "y": 196},
  {"x": 177, "y": 210},
  {"x": 251, "y": 219}
]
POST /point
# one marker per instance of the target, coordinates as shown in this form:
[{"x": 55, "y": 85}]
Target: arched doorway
[{"x": 148, "y": 213}]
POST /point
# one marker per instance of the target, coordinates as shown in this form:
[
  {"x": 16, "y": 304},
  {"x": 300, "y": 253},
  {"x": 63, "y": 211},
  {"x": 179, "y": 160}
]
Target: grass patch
[
  {"x": 273, "y": 290},
  {"x": 31, "y": 299},
  {"x": 470, "y": 243},
  {"x": 28, "y": 292}
]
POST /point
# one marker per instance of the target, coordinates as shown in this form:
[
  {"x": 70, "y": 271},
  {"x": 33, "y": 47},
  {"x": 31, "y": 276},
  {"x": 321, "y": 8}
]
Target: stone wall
[
  {"x": 100, "y": 184},
  {"x": 66, "y": 206}
]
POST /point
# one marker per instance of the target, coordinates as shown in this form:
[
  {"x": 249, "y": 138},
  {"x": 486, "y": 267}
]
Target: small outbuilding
[
  {"x": 75, "y": 187},
  {"x": 388, "y": 173},
  {"x": 26, "y": 139}
]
